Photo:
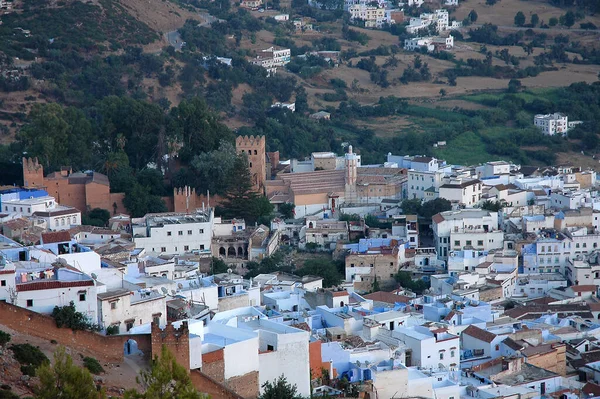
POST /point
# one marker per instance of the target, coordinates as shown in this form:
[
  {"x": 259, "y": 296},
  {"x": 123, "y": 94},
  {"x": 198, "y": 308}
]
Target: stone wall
[{"x": 104, "y": 348}]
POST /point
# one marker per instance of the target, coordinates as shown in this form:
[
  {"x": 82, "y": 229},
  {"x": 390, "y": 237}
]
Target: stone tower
[
  {"x": 33, "y": 173},
  {"x": 184, "y": 199},
  {"x": 350, "y": 176},
  {"x": 254, "y": 147},
  {"x": 177, "y": 341}
]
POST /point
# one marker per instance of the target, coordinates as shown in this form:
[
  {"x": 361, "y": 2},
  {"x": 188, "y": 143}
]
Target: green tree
[
  {"x": 213, "y": 171},
  {"x": 65, "y": 380},
  {"x": 411, "y": 206},
  {"x": 69, "y": 317},
  {"x": 535, "y": 19},
  {"x": 569, "y": 19},
  {"x": 553, "y": 21},
  {"x": 520, "y": 19},
  {"x": 139, "y": 201},
  {"x": 279, "y": 389},
  {"x": 166, "y": 379},
  {"x": 405, "y": 280},
  {"x": 514, "y": 86},
  {"x": 473, "y": 16},
  {"x": 4, "y": 338},
  {"x": 375, "y": 286},
  {"x": 287, "y": 210},
  {"x": 101, "y": 215},
  {"x": 434, "y": 207},
  {"x": 493, "y": 206},
  {"x": 322, "y": 268},
  {"x": 590, "y": 141},
  {"x": 241, "y": 201}
]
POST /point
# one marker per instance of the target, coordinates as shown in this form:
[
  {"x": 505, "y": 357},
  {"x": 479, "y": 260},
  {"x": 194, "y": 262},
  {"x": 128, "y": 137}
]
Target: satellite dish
[
  {"x": 62, "y": 261},
  {"x": 180, "y": 286},
  {"x": 94, "y": 276},
  {"x": 229, "y": 271},
  {"x": 164, "y": 290},
  {"x": 173, "y": 292}
]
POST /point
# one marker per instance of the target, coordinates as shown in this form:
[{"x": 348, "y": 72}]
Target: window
[
  {"x": 82, "y": 297},
  {"x": 201, "y": 231},
  {"x": 250, "y": 164},
  {"x": 186, "y": 247},
  {"x": 2, "y": 283},
  {"x": 469, "y": 242},
  {"x": 168, "y": 233},
  {"x": 29, "y": 303},
  {"x": 442, "y": 356},
  {"x": 156, "y": 319},
  {"x": 391, "y": 263},
  {"x": 189, "y": 232},
  {"x": 457, "y": 243},
  {"x": 271, "y": 348},
  {"x": 202, "y": 246},
  {"x": 113, "y": 305},
  {"x": 129, "y": 324},
  {"x": 497, "y": 347},
  {"x": 180, "y": 232},
  {"x": 452, "y": 353},
  {"x": 479, "y": 243},
  {"x": 163, "y": 249}
]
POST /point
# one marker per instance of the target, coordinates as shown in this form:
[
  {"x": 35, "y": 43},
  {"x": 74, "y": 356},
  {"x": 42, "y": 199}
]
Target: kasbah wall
[
  {"x": 106, "y": 348},
  {"x": 213, "y": 367},
  {"x": 111, "y": 348}
]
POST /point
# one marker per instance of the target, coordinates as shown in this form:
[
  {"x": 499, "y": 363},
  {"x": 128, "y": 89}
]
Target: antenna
[{"x": 94, "y": 276}]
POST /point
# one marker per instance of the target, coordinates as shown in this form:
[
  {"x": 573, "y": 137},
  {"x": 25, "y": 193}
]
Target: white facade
[
  {"x": 174, "y": 233},
  {"x": 127, "y": 309},
  {"x": 439, "y": 18},
  {"x": 374, "y": 17},
  {"x": 431, "y": 43},
  {"x": 454, "y": 230},
  {"x": 27, "y": 207},
  {"x": 466, "y": 192},
  {"x": 429, "y": 349},
  {"x": 46, "y": 209},
  {"x": 421, "y": 182},
  {"x": 551, "y": 124}
]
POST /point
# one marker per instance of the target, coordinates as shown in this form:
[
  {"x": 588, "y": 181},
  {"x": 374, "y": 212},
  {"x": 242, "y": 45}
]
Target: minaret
[{"x": 351, "y": 165}]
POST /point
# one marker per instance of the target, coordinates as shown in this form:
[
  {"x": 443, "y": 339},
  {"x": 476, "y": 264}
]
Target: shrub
[
  {"x": 112, "y": 330},
  {"x": 29, "y": 355},
  {"x": 8, "y": 394},
  {"x": 4, "y": 338},
  {"x": 68, "y": 316},
  {"x": 28, "y": 369},
  {"x": 92, "y": 365}
]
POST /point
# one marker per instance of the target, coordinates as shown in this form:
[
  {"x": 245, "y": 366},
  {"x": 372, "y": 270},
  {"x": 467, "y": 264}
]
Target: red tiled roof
[
  {"x": 51, "y": 284},
  {"x": 387, "y": 297},
  {"x": 583, "y": 288},
  {"x": 591, "y": 388},
  {"x": 339, "y": 293},
  {"x": 478, "y": 333},
  {"x": 594, "y": 306},
  {"x": 56, "y": 236},
  {"x": 437, "y": 218}
]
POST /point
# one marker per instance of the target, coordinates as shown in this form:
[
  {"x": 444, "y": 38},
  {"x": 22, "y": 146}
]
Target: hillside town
[{"x": 498, "y": 293}]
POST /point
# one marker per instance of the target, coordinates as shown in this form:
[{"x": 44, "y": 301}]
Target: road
[
  {"x": 555, "y": 30},
  {"x": 174, "y": 39}
]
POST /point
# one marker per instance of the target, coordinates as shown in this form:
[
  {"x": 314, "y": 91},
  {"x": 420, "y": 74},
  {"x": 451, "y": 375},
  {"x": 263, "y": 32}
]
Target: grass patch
[
  {"x": 92, "y": 365},
  {"x": 465, "y": 149}
]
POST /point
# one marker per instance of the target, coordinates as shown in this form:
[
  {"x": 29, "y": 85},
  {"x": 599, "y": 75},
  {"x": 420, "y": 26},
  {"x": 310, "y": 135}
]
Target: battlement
[
  {"x": 250, "y": 141},
  {"x": 33, "y": 173},
  {"x": 32, "y": 164},
  {"x": 185, "y": 191},
  {"x": 176, "y": 340}
]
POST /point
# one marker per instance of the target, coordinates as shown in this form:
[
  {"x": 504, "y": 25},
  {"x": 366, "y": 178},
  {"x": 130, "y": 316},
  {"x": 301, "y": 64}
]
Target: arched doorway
[
  {"x": 131, "y": 348},
  {"x": 231, "y": 252},
  {"x": 240, "y": 252},
  {"x": 222, "y": 252}
]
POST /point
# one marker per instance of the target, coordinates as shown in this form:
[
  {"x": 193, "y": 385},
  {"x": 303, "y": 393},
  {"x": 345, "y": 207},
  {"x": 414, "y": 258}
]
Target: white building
[
  {"x": 374, "y": 17},
  {"x": 551, "y": 124},
  {"x": 466, "y": 229},
  {"x": 431, "y": 43},
  {"x": 53, "y": 215},
  {"x": 538, "y": 285},
  {"x": 126, "y": 309},
  {"x": 282, "y": 349},
  {"x": 465, "y": 192},
  {"x": 431, "y": 349},
  {"x": 439, "y": 18},
  {"x": 174, "y": 233}
]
